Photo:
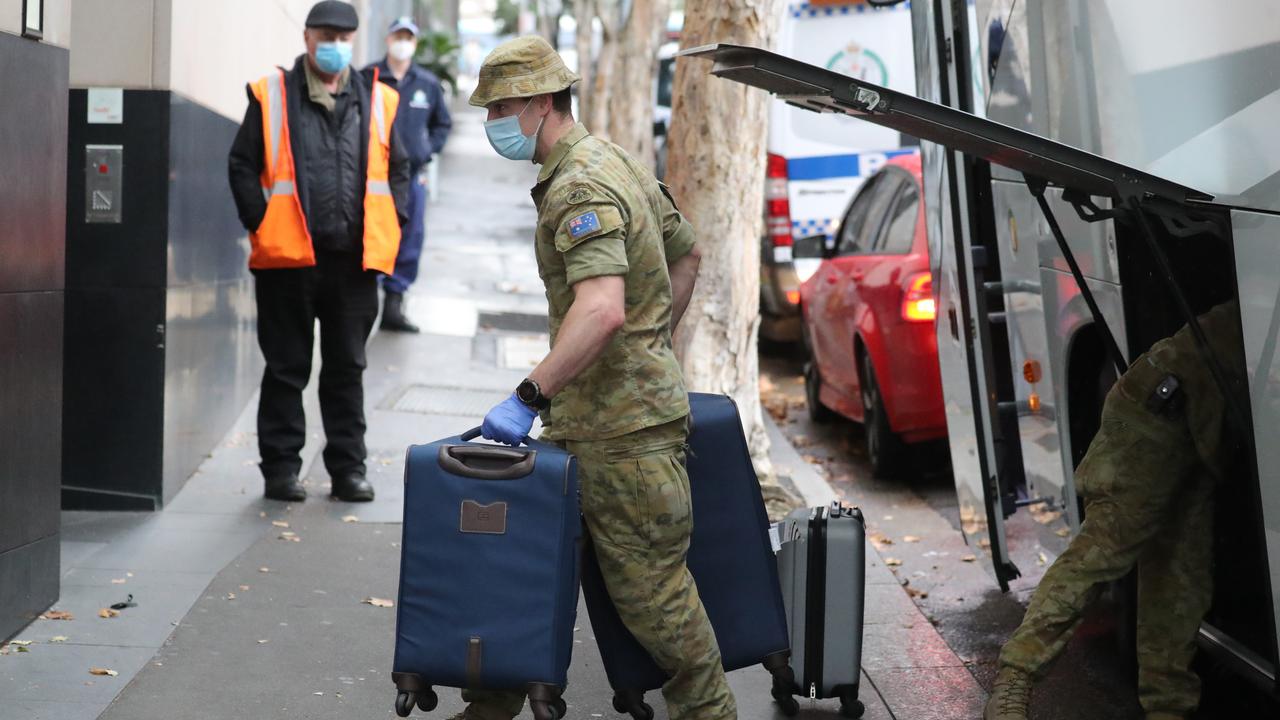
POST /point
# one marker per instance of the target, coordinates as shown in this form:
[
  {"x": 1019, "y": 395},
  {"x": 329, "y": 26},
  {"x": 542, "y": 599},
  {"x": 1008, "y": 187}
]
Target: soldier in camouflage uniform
[
  {"x": 1147, "y": 481},
  {"x": 619, "y": 262}
]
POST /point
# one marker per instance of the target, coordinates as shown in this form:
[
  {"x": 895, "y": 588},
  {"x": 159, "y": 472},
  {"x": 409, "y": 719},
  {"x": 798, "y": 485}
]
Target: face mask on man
[
  {"x": 332, "y": 57},
  {"x": 509, "y": 140},
  {"x": 402, "y": 49}
]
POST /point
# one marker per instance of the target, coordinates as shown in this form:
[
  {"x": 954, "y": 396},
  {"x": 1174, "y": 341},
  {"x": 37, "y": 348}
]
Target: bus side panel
[{"x": 1257, "y": 257}]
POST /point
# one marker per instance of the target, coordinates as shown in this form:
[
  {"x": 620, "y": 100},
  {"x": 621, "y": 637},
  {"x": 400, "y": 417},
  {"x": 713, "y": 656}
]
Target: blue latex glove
[{"x": 508, "y": 422}]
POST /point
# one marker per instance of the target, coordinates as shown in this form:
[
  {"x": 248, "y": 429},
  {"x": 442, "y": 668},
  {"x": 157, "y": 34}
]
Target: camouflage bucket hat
[{"x": 519, "y": 68}]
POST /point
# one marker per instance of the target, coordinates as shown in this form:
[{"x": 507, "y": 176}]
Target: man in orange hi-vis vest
[{"x": 321, "y": 183}]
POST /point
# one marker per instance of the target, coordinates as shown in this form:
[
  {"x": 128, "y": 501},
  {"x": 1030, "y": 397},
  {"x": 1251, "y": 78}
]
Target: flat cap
[
  {"x": 519, "y": 68},
  {"x": 333, "y": 14}
]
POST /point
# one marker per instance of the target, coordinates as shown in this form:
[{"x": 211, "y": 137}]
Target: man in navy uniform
[{"x": 423, "y": 122}]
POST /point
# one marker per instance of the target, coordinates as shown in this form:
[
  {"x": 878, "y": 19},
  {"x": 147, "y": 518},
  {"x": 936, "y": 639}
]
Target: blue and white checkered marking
[
  {"x": 584, "y": 224},
  {"x": 812, "y": 226},
  {"x": 803, "y": 10}
]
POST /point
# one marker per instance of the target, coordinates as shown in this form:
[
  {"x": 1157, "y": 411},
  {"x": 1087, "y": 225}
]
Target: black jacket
[{"x": 246, "y": 159}]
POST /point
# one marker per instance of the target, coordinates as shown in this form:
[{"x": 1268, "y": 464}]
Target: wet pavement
[{"x": 913, "y": 519}]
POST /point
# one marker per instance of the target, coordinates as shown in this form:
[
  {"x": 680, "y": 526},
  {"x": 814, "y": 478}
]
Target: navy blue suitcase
[
  {"x": 488, "y": 572},
  {"x": 730, "y": 557}
]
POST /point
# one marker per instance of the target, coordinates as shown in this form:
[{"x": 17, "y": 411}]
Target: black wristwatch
[{"x": 530, "y": 394}]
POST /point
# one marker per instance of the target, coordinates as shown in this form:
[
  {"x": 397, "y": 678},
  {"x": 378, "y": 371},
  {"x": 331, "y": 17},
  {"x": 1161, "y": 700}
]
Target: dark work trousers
[
  {"x": 344, "y": 298},
  {"x": 411, "y": 239}
]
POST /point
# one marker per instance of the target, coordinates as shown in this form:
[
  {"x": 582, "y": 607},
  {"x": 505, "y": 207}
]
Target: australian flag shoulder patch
[{"x": 584, "y": 224}]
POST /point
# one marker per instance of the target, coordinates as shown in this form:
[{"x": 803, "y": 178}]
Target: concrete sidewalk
[{"x": 248, "y": 608}]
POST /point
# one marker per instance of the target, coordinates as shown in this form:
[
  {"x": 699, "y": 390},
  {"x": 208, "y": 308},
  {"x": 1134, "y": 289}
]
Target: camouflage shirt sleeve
[
  {"x": 677, "y": 232},
  {"x": 590, "y": 233}
]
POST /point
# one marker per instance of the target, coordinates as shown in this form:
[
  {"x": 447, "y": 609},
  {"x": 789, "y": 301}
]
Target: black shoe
[
  {"x": 352, "y": 488},
  {"x": 286, "y": 488},
  {"x": 393, "y": 318}
]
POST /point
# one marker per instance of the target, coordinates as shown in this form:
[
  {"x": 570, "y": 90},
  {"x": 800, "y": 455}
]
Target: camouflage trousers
[
  {"x": 636, "y": 504},
  {"x": 1149, "y": 503}
]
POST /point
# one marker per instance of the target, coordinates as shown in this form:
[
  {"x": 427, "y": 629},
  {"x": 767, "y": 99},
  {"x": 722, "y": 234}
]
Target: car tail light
[
  {"x": 777, "y": 215},
  {"x": 917, "y": 301}
]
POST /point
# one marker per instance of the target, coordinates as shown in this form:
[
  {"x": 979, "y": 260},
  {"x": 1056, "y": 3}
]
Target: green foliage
[
  {"x": 438, "y": 52},
  {"x": 507, "y": 17}
]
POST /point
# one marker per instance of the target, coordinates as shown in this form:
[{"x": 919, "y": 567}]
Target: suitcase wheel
[
  {"x": 787, "y": 702},
  {"x": 632, "y": 703},
  {"x": 543, "y": 710},
  {"x": 404, "y": 703},
  {"x": 428, "y": 700},
  {"x": 850, "y": 705}
]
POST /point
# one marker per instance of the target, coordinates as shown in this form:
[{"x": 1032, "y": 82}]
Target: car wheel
[
  {"x": 883, "y": 446},
  {"x": 818, "y": 412}
]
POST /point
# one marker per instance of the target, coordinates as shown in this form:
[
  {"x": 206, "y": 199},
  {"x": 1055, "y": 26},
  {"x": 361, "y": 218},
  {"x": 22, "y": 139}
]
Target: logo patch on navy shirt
[
  {"x": 584, "y": 224},
  {"x": 419, "y": 100}
]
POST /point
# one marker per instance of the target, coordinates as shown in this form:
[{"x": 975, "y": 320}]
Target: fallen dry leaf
[
  {"x": 290, "y": 536},
  {"x": 244, "y": 587},
  {"x": 378, "y": 602},
  {"x": 58, "y": 638},
  {"x": 264, "y": 569},
  {"x": 118, "y": 581},
  {"x": 1041, "y": 559},
  {"x": 263, "y": 641},
  {"x": 350, "y": 519},
  {"x": 103, "y": 671},
  {"x": 917, "y": 593},
  {"x": 108, "y": 613},
  {"x": 969, "y": 558},
  {"x": 57, "y": 615},
  {"x": 231, "y": 596},
  {"x": 910, "y": 539},
  {"x": 280, "y": 523},
  {"x": 20, "y": 643},
  {"x": 1063, "y": 532},
  {"x": 892, "y": 562},
  {"x": 1044, "y": 515}
]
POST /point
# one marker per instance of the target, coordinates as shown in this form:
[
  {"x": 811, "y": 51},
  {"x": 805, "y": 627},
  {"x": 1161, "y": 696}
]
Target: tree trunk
[
  {"x": 716, "y": 171},
  {"x": 609, "y": 13},
  {"x": 584, "y": 12},
  {"x": 631, "y": 98}
]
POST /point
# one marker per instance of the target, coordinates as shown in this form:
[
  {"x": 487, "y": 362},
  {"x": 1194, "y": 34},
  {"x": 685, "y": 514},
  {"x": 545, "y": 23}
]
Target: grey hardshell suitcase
[{"x": 821, "y": 565}]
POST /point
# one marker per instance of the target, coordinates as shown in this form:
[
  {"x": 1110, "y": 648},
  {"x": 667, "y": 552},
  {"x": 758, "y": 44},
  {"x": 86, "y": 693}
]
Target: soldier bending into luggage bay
[
  {"x": 619, "y": 263},
  {"x": 1148, "y": 481}
]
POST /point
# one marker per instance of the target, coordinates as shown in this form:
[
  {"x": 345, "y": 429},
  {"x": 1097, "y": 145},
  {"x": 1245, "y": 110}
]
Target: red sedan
[{"x": 868, "y": 320}]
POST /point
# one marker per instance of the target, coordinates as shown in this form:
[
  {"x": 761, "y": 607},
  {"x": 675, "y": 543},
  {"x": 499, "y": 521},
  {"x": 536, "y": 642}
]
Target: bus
[{"x": 1097, "y": 173}]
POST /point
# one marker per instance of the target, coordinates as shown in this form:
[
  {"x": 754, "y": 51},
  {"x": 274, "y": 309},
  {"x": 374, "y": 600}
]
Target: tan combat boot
[{"x": 1010, "y": 696}]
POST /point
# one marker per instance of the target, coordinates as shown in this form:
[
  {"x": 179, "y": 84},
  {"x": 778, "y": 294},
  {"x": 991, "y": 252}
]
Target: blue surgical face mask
[
  {"x": 332, "y": 57},
  {"x": 509, "y": 140}
]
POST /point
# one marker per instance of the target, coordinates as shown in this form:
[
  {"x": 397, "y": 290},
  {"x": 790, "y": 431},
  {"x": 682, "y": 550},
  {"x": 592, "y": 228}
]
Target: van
[{"x": 816, "y": 162}]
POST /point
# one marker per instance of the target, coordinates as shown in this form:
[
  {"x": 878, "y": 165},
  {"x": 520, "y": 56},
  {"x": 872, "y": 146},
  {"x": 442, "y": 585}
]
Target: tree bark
[
  {"x": 631, "y": 98},
  {"x": 716, "y": 171},
  {"x": 584, "y": 12}
]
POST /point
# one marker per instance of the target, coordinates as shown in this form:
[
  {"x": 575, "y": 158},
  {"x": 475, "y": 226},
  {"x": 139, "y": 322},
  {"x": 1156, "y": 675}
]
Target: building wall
[{"x": 32, "y": 250}]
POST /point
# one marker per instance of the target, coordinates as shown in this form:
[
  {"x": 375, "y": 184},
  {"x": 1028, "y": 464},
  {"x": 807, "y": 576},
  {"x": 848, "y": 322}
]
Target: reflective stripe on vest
[
  {"x": 275, "y": 113},
  {"x": 379, "y": 115}
]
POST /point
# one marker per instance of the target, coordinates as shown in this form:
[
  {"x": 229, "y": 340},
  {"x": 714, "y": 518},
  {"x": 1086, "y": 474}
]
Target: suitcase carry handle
[{"x": 484, "y": 462}]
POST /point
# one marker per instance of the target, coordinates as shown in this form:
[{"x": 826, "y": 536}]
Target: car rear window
[{"x": 900, "y": 233}]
